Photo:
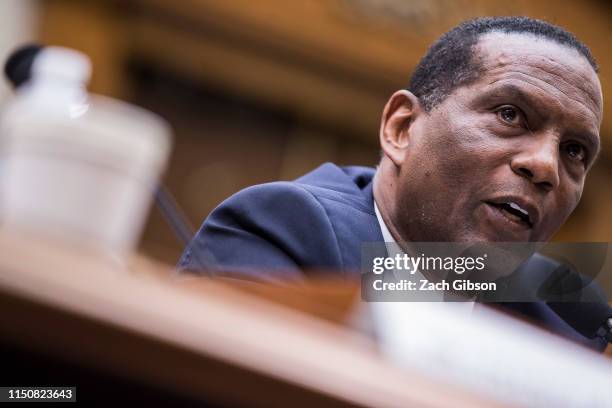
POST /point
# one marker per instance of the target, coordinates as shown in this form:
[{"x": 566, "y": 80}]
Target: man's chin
[{"x": 485, "y": 235}]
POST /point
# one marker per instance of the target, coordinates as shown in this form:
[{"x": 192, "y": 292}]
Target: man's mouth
[{"x": 513, "y": 212}]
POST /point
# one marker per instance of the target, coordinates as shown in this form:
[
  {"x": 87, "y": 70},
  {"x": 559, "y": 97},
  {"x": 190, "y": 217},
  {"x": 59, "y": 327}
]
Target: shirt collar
[{"x": 383, "y": 227}]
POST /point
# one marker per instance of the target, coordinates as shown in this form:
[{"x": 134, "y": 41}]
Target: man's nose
[{"x": 538, "y": 161}]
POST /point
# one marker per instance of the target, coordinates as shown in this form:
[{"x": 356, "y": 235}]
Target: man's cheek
[
  {"x": 569, "y": 196},
  {"x": 572, "y": 204},
  {"x": 556, "y": 216}
]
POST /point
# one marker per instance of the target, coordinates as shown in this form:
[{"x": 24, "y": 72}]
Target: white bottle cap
[{"x": 62, "y": 64}]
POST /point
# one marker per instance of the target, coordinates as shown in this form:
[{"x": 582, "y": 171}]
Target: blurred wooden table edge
[{"x": 52, "y": 294}]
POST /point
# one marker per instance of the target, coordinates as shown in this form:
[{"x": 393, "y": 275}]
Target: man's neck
[{"x": 383, "y": 198}]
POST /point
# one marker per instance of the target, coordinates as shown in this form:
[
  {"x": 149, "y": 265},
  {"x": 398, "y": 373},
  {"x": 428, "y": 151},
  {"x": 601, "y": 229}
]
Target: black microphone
[
  {"x": 591, "y": 319},
  {"x": 578, "y": 301},
  {"x": 18, "y": 67}
]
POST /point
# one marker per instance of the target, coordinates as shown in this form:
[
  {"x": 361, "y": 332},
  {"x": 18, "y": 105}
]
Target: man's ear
[{"x": 398, "y": 116}]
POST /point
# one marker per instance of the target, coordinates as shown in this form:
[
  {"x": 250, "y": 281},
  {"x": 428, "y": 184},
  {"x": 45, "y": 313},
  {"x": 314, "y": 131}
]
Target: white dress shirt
[{"x": 393, "y": 249}]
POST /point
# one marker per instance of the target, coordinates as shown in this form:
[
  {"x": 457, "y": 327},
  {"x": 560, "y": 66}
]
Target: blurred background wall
[{"x": 258, "y": 91}]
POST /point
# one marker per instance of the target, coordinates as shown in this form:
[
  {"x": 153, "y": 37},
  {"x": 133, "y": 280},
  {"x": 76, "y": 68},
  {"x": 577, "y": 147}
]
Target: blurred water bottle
[{"x": 77, "y": 166}]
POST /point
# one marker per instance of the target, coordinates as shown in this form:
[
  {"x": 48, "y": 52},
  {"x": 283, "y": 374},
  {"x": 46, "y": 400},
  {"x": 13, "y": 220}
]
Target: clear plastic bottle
[{"x": 77, "y": 166}]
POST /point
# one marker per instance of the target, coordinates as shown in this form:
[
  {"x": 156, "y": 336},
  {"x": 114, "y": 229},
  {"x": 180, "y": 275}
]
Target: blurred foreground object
[
  {"x": 144, "y": 338},
  {"x": 76, "y": 166},
  {"x": 492, "y": 354},
  {"x": 204, "y": 341}
]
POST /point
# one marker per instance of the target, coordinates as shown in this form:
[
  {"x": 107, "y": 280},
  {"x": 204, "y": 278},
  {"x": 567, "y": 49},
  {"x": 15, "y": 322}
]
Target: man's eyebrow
[{"x": 513, "y": 91}]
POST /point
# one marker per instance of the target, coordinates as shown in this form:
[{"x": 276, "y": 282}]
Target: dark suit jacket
[{"x": 276, "y": 231}]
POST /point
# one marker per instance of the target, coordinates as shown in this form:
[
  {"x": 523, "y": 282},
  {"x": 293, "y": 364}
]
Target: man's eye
[
  {"x": 575, "y": 151},
  {"x": 510, "y": 115}
]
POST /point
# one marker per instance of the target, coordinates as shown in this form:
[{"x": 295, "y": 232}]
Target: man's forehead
[
  {"x": 497, "y": 43},
  {"x": 540, "y": 57}
]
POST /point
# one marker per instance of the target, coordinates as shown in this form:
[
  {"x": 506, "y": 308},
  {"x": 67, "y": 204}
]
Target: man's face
[{"x": 505, "y": 158}]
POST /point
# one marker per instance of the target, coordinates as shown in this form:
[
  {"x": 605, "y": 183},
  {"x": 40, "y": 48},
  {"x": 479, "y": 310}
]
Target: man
[{"x": 491, "y": 141}]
